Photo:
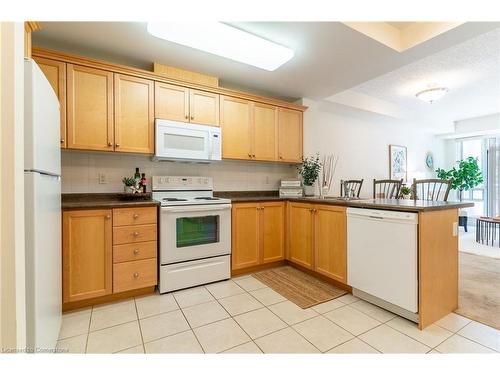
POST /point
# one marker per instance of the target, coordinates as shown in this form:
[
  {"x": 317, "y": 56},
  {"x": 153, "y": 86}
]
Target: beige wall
[
  {"x": 363, "y": 145},
  {"x": 12, "y": 284},
  {"x": 80, "y": 172}
]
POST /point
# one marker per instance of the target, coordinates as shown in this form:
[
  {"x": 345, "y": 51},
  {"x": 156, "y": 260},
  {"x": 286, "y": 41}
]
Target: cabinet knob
[
  {"x": 186, "y": 117},
  {"x": 249, "y": 155},
  {"x": 108, "y": 217},
  {"x": 135, "y": 216},
  {"x": 281, "y": 157},
  {"x": 62, "y": 140},
  {"x": 136, "y": 251},
  {"x": 136, "y": 275},
  {"x": 192, "y": 117},
  {"x": 117, "y": 145},
  {"x": 136, "y": 234},
  {"x": 110, "y": 144},
  {"x": 253, "y": 155}
]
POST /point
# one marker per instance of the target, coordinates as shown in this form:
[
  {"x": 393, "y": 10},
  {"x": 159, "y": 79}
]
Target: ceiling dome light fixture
[{"x": 431, "y": 95}]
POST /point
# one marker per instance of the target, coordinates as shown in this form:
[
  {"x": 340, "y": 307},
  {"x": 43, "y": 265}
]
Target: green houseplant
[
  {"x": 467, "y": 176},
  {"x": 406, "y": 192},
  {"x": 309, "y": 170},
  {"x": 130, "y": 184}
]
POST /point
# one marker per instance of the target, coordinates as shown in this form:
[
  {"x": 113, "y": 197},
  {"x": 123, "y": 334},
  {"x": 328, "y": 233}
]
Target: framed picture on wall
[{"x": 397, "y": 162}]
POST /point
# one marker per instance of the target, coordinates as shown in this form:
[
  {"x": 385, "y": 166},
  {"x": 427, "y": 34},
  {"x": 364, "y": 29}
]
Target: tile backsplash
[{"x": 81, "y": 170}]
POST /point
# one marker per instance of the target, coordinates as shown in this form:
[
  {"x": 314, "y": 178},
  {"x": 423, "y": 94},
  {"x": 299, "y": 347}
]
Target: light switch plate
[
  {"x": 102, "y": 178},
  {"x": 455, "y": 229}
]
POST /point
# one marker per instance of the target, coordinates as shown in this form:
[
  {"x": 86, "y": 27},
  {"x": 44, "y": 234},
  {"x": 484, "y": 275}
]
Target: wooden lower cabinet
[
  {"x": 317, "y": 236},
  {"x": 257, "y": 234},
  {"x": 104, "y": 255},
  {"x": 87, "y": 254},
  {"x": 330, "y": 242},
  {"x": 300, "y": 234}
]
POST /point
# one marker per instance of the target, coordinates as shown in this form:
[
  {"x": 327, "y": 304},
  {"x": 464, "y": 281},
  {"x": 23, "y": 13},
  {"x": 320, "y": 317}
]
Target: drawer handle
[
  {"x": 136, "y": 251},
  {"x": 135, "y": 216},
  {"x": 136, "y": 275},
  {"x": 136, "y": 234},
  {"x": 108, "y": 217}
]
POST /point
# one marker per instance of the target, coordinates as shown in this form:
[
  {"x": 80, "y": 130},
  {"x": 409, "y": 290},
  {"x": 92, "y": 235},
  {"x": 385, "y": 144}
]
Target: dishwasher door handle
[{"x": 376, "y": 217}]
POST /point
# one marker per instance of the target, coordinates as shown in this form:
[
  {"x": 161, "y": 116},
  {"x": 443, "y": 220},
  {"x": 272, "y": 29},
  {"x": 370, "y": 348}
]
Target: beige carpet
[
  {"x": 479, "y": 289},
  {"x": 299, "y": 287}
]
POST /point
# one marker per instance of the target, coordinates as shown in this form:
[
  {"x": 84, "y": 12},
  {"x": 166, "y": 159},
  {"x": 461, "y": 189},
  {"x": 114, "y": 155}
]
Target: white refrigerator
[{"x": 42, "y": 184}]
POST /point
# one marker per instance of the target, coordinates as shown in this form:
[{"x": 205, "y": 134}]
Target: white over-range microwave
[{"x": 176, "y": 140}]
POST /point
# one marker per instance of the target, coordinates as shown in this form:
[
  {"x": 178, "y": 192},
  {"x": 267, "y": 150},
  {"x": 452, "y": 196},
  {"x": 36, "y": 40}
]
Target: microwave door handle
[
  {"x": 210, "y": 151},
  {"x": 198, "y": 208}
]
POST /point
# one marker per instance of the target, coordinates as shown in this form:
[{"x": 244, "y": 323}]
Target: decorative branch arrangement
[{"x": 327, "y": 173}]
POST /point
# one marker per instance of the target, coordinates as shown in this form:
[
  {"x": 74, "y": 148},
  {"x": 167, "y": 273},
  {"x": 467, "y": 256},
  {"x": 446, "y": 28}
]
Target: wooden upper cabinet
[
  {"x": 171, "y": 102},
  {"x": 300, "y": 234},
  {"x": 87, "y": 254},
  {"x": 245, "y": 236},
  {"x": 134, "y": 114},
  {"x": 265, "y": 132},
  {"x": 330, "y": 229},
  {"x": 203, "y": 107},
  {"x": 55, "y": 71},
  {"x": 272, "y": 231},
  {"x": 236, "y": 124},
  {"x": 290, "y": 135},
  {"x": 90, "y": 108}
]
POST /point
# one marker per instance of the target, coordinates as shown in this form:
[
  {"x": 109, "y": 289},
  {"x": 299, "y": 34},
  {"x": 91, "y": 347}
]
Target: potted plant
[
  {"x": 406, "y": 192},
  {"x": 467, "y": 176},
  {"x": 130, "y": 185},
  {"x": 309, "y": 170}
]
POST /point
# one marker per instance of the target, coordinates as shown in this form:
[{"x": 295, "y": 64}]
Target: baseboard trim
[
  {"x": 68, "y": 306},
  {"x": 260, "y": 267}
]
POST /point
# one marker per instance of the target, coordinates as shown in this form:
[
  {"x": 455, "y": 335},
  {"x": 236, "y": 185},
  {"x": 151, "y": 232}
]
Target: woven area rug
[
  {"x": 479, "y": 285},
  {"x": 299, "y": 287}
]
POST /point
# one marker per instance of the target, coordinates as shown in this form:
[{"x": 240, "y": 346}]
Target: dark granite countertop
[
  {"x": 380, "y": 204},
  {"x": 104, "y": 200}
]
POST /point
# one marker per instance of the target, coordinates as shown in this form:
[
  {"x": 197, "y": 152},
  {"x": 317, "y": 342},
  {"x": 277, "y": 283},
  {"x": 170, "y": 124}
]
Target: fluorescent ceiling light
[
  {"x": 224, "y": 40},
  {"x": 431, "y": 95}
]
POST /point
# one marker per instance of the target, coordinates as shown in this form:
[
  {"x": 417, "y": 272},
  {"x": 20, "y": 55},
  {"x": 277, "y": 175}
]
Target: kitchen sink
[{"x": 343, "y": 199}]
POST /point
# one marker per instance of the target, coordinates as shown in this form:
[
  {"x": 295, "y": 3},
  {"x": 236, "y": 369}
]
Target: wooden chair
[
  {"x": 386, "y": 189},
  {"x": 351, "y": 185},
  {"x": 431, "y": 189}
]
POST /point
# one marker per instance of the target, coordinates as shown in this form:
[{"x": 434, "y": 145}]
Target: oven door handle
[{"x": 197, "y": 208}]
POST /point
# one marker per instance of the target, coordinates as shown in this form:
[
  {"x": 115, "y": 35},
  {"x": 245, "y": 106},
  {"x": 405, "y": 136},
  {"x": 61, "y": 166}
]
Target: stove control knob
[{"x": 162, "y": 180}]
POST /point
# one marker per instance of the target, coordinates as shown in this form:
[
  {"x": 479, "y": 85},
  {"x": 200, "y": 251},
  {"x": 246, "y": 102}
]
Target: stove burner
[
  {"x": 207, "y": 198},
  {"x": 174, "y": 199}
]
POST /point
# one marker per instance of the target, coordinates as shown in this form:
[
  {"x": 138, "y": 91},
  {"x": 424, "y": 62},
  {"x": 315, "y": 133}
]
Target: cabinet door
[
  {"x": 290, "y": 135},
  {"x": 300, "y": 223},
  {"x": 134, "y": 119},
  {"x": 245, "y": 235},
  {"x": 55, "y": 71},
  {"x": 87, "y": 254},
  {"x": 90, "y": 108},
  {"x": 203, "y": 107},
  {"x": 236, "y": 126},
  {"x": 265, "y": 132},
  {"x": 330, "y": 242},
  {"x": 272, "y": 231},
  {"x": 171, "y": 102}
]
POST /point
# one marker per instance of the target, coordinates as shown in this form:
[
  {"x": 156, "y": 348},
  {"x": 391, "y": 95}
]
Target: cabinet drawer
[
  {"x": 134, "y": 275},
  {"x": 134, "y": 216},
  {"x": 134, "y": 233},
  {"x": 135, "y": 251}
]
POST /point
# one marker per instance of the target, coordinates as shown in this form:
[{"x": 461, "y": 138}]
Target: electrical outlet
[
  {"x": 455, "y": 229},
  {"x": 102, "y": 178}
]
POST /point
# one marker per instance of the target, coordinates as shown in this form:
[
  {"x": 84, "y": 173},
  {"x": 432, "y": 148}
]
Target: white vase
[{"x": 309, "y": 190}]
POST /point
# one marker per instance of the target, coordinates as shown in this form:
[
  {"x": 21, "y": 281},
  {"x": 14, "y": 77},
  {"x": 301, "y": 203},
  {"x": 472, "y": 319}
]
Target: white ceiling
[
  {"x": 329, "y": 56},
  {"x": 471, "y": 70}
]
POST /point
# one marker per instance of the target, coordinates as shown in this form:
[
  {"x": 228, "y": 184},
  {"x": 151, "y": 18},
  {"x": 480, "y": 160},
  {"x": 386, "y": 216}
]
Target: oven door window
[{"x": 193, "y": 231}]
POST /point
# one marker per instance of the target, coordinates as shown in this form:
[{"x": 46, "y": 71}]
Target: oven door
[{"x": 194, "y": 232}]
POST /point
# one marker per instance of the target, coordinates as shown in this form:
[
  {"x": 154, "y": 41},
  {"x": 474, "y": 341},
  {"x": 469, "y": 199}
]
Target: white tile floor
[{"x": 243, "y": 315}]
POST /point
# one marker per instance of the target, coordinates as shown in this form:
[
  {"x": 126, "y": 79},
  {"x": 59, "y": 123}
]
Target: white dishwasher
[{"x": 382, "y": 258}]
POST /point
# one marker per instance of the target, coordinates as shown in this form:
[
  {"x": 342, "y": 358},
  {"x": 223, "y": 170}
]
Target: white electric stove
[{"x": 195, "y": 232}]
